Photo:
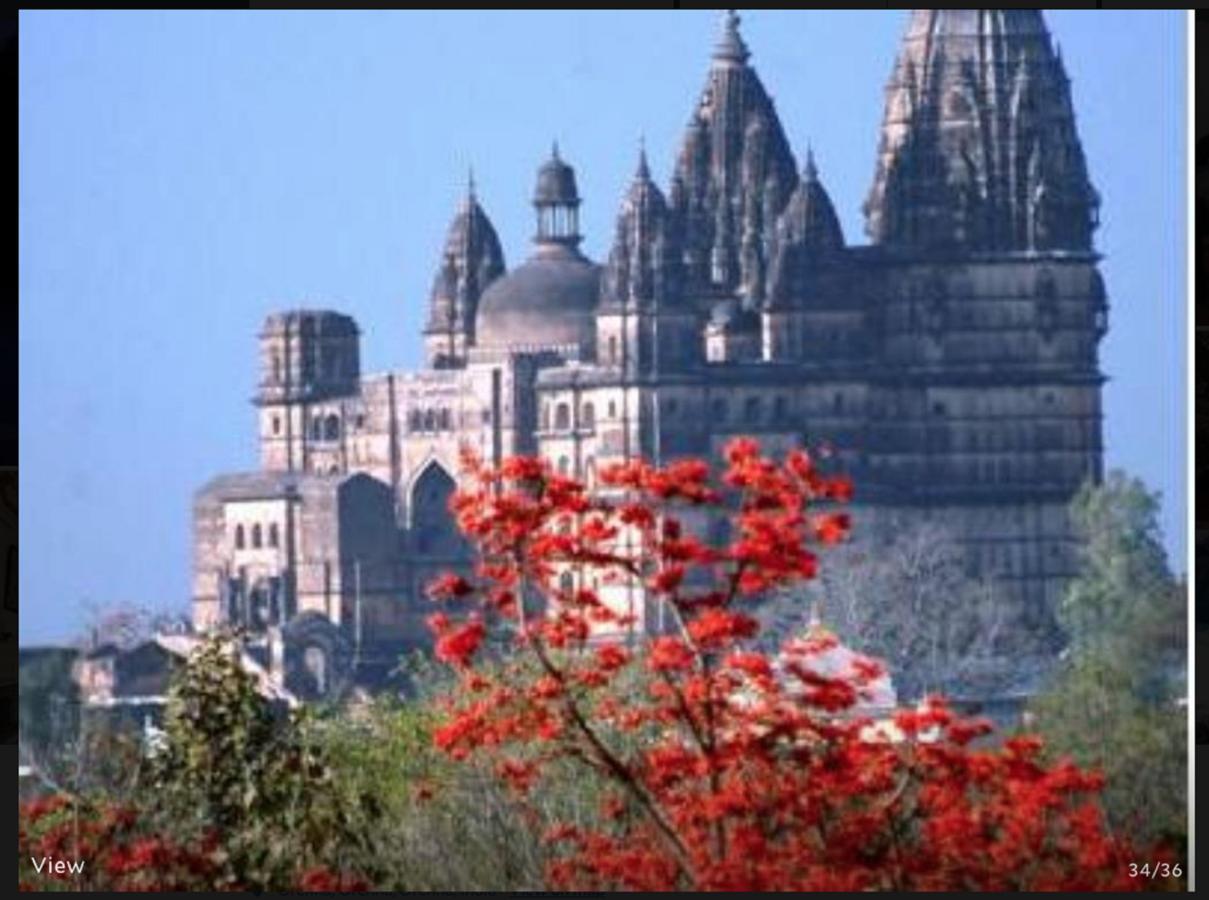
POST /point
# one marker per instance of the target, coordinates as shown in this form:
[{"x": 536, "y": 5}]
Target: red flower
[
  {"x": 668, "y": 653},
  {"x": 449, "y": 586},
  {"x": 611, "y": 657},
  {"x": 457, "y": 646}
]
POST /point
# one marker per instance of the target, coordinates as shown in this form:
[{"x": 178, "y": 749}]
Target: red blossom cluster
[
  {"x": 740, "y": 772},
  {"x": 120, "y": 854},
  {"x": 116, "y": 854}
]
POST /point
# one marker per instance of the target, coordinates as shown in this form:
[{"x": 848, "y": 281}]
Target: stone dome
[{"x": 549, "y": 299}]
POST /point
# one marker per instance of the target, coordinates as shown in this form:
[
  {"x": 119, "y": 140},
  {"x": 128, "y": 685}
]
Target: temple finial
[
  {"x": 470, "y": 187},
  {"x": 644, "y": 171},
  {"x": 811, "y": 172},
  {"x": 730, "y": 46},
  {"x": 554, "y": 150}
]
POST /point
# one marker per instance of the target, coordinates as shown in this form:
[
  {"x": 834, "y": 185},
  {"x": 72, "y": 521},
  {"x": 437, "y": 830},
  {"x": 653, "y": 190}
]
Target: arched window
[
  {"x": 431, "y": 521},
  {"x": 276, "y": 424},
  {"x": 317, "y": 429},
  {"x": 588, "y": 416},
  {"x": 612, "y": 348},
  {"x": 566, "y": 583},
  {"x": 273, "y": 534},
  {"x": 612, "y": 409},
  {"x": 238, "y": 537},
  {"x": 277, "y": 367},
  {"x": 445, "y": 419},
  {"x": 430, "y": 420},
  {"x": 545, "y": 416},
  {"x": 414, "y": 422},
  {"x": 256, "y": 536},
  {"x": 331, "y": 427},
  {"x": 562, "y": 417}
]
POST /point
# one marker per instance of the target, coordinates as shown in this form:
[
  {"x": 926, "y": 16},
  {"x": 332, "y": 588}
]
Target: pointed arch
[{"x": 432, "y": 523}]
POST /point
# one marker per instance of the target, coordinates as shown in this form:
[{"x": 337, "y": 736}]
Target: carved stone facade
[{"x": 951, "y": 363}]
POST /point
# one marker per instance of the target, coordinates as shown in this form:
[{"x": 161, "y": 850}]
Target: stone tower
[
  {"x": 309, "y": 363},
  {"x": 988, "y": 307}
]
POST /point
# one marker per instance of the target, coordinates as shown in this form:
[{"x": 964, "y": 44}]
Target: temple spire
[
  {"x": 974, "y": 98},
  {"x": 644, "y": 172}
]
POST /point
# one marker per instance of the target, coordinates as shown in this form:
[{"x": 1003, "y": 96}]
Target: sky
[{"x": 183, "y": 174}]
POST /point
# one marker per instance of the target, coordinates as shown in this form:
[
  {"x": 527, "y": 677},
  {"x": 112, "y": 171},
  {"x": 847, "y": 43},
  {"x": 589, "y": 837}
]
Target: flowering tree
[{"x": 727, "y": 769}]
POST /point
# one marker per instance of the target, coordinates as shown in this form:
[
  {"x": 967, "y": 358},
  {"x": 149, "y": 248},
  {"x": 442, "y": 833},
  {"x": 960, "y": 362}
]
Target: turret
[
  {"x": 472, "y": 260},
  {"x": 307, "y": 357},
  {"x": 641, "y": 315}
]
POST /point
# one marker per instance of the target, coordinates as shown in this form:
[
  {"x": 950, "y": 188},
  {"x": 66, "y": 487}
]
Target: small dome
[
  {"x": 556, "y": 183},
  {"x": 820, "y": 651},
  {"x": 550, "y": 299}
]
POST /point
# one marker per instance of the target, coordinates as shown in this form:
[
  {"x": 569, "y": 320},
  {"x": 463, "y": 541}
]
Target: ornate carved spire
[
  {"x": 643, "y": 264},
  {"x": 471, "y": 260},
  {"x": 979, "y": 148},
  {"x": 808, "y": 233},
  {"x": 733, "y": 176}
]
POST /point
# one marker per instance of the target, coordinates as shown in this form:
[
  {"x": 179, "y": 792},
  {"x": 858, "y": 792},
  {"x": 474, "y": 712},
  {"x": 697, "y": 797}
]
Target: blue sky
[{"x": 182, "y": 174}]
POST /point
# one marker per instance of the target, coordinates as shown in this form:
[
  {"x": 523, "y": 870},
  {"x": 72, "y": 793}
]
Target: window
[
  {"x": 672, "y": 406},
  {"x": 317, "y": 429},
  {"x": 939, "y": 409},
  {"x": 331, "y": 427},
  {"x": 277, "y": 367},
  {"x": 360, "y": 421},
  {"x": 445, "y": 419},
  {"x": 273, "y": 534},
  {"x": 751, "y": 409},
  {"x": 562, "y": 417},
  {"x": 238, "y": 537},
  {"x": 430, "y": 420},
  {"x": 612, "y": 409},
  {"x": 588, "y": 419},
  {"x": 837, "y": 404},
  {"x": 718, "y": 409},
  {"x": 276, "y": 424},
  {"x": 780, "y": 407},
  {"x": 414, "y": 422},
  {"x": 564, "y": 465},
  {"x": 613, "y": 349},
  {"x": 256, "y": 536}
]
